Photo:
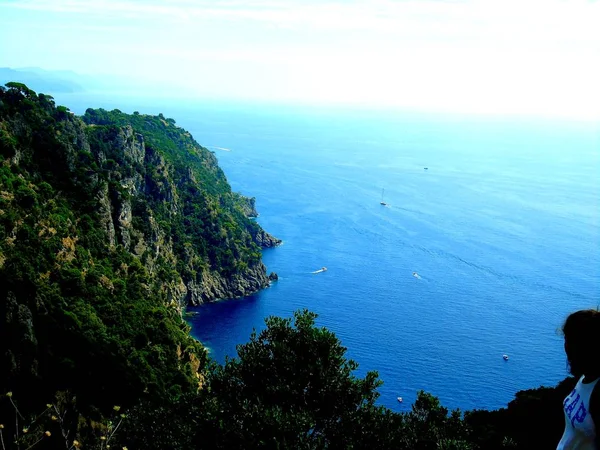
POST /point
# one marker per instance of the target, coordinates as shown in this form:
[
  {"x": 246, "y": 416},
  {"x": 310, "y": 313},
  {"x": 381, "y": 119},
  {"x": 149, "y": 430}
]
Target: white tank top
[{"x": 580, "y": 432}]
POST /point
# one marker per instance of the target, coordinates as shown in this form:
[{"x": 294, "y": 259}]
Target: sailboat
[{"x": 382, "y": 202}]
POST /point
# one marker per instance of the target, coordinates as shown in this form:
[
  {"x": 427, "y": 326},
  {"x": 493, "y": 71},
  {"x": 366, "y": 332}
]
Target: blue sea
[{"x": 502, "y": 229}]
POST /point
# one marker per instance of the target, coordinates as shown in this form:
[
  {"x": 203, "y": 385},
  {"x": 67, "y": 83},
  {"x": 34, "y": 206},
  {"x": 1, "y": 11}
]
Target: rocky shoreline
[
  {"x": 265, "y": 240},
  {"x": 214, "y": 287}
]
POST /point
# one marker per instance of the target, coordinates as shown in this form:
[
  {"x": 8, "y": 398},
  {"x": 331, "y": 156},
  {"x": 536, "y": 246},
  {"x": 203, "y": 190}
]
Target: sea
[{"x": 489, "y": 238}]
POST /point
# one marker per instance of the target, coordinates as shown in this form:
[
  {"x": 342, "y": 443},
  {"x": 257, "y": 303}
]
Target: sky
[{"x": 504, "y": 57}]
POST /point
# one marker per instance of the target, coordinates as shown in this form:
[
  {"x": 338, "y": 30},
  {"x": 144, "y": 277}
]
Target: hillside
[{"x": 110, "y": 224}]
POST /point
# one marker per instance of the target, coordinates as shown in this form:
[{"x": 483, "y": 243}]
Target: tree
[
  {"x": 291, "y": 387},
  {"x": 429, "y": 426},
  {"x": 534, "y": 419}
]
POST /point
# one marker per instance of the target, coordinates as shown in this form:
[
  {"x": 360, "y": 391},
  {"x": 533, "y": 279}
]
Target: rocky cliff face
[
  {"x": 214, "y": 286},
  {"x": 153, "y": 191},
  {"x": 142, "y": 178},
  {"x": 264, "y": 239},
  {"x": 247, "y": 205}
]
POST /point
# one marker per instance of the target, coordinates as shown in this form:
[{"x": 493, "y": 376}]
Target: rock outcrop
[
  {"x": 264, "y": 239},
  {"x": 247, "y": 205},
  {"x": 214, "y": 286}
]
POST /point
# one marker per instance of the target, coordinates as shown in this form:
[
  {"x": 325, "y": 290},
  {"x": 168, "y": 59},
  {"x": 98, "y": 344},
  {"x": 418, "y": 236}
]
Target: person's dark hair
[{"x": 582, "y": 342}]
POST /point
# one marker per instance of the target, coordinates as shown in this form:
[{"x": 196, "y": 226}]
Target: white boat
[
  {"x": 382, "y": 202},
  {"x": 505, "y": 357},
  {"x": 400, "y": 400}
]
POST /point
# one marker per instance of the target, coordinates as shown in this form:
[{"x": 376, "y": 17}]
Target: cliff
[
  {"x": 173, "y": 180},
  {"x": 110, "y": 224},
  {"x": 247, "y": 205}
]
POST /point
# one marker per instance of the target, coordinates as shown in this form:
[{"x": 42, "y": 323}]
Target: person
[{"x": 582, "y": 406}]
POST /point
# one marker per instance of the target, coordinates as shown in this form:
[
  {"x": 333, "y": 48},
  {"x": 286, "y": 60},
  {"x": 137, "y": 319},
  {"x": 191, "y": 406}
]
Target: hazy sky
[{"x": 471, "y": 56}]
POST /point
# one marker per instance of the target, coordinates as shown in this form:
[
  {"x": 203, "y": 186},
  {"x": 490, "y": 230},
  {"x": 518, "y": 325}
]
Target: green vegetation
[
  {"x": 211, "y": 221},
  {"x": 109, "y": 224},
  {"x": 77, "y": 313},
  {"x": 292, "y": 387}
]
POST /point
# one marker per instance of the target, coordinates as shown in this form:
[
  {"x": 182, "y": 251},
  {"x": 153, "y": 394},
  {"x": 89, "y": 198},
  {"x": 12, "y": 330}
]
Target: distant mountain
[
  {"x": 67, "y": 81},
  {"x": 52, "y": 82}
]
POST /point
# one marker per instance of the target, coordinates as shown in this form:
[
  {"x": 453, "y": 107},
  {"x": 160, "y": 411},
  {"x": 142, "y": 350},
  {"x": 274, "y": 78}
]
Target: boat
[
  {"x": 505, "y": 357},
  {"x": 382, "y": 202},
  {"x": 400, "y": 400},
  {"x": 425, "y": 168},
  {"x": 323, "y": 269}
]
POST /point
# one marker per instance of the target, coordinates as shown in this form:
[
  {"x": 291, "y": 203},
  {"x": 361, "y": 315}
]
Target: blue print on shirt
[
  {"x": 568, "y": 398},
  {"x": 570, "y": 404},
  {"x": 579, "y": 415}
]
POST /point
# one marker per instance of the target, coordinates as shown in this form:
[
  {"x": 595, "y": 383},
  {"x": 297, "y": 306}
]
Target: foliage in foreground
[
  {"x": 58, "y": 426},
  {"x": 291, "y": 387}
]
